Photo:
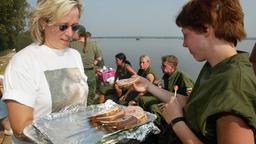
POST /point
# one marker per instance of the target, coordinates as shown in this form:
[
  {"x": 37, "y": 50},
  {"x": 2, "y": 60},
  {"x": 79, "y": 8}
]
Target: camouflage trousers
[{"x": 91, "y": 81}]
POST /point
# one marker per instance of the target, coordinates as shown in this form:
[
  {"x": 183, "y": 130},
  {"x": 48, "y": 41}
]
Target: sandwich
[{"x": 117, "y": 118}]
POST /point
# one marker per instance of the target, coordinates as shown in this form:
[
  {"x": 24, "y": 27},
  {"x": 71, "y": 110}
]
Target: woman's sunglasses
[{"x": 64, "y": 27}]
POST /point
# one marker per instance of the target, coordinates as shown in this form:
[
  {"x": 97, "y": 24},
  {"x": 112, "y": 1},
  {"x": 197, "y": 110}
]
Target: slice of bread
[
  {"x": 124, "y": 83},
  {"x": 115, "y": 116},
  {"x": 104, "y": 113},
  {"x": 119, "y": 121}
]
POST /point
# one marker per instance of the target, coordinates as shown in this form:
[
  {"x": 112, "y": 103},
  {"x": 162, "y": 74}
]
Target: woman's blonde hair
[
  {"x": 49, "y": 11},
  {"x": 146, "y": 57}
]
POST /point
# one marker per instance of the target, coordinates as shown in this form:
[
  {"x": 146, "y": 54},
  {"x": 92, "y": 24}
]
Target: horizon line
[{"x": 150, "y": 37}]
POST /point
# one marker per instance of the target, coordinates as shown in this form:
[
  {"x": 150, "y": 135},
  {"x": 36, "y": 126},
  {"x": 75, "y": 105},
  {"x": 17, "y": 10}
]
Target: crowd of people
[{"x": 59, "y": 70}]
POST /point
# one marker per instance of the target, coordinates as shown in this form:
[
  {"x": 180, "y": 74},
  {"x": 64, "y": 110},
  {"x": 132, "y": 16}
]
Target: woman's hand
[
  {"x": 172, "y": 110},
  {"x": 161, "y": 106}
]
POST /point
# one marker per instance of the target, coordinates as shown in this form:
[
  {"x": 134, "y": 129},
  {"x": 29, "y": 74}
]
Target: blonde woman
[
  {"x": 145, "y": 68},
  {"x": 35, "y": 75}
]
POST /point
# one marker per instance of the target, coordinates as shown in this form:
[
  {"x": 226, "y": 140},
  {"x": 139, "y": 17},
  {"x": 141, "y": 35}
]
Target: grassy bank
[{"x": 4, "y": 59}]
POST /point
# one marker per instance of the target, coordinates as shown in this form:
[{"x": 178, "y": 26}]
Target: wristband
[{"x": 176, "y": 120}]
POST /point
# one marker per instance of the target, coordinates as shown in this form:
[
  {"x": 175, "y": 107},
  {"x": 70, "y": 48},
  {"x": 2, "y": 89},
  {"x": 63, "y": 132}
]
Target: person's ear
[
  {"x": 207, "y": 30},
  {"x": 43, "y": 24}
]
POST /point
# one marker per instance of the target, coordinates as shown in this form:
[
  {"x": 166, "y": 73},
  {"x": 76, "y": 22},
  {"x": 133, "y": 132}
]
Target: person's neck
[
  {"x": 172, "y": 72},
  {"x": 122, "y": 65},
  {"x": 220, "y": 51},
  {"x": 50, "y": 45},
  {"x": 144, "y": 69}
]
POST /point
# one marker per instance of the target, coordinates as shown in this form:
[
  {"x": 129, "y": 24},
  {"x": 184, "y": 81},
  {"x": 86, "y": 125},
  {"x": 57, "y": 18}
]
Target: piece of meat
[
  {"x": 129, "y": 124},
  {"x": 137, "y": 112}
]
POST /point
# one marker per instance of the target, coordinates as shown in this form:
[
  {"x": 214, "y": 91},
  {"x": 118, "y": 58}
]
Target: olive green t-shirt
[
  {"x": 181, "y": 79},
  {"x": 89, "y": 53},
  {"x": 228, "y": 87},
  {"x": 144, "y": 73},
  {"x": 122, "y": 72}
]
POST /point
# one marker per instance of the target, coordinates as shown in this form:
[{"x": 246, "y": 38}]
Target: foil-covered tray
[{"x": 72, "y": 126}]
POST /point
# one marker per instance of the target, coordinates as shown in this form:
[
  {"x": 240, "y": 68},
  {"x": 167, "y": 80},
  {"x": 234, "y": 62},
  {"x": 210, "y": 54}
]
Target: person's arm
[
  {"x": 96, "y": 60},
  {"x": 20, "y": 116},
  {"x": 165, "y": 96},
  {"x": 149, "y": 77},
  {"x": 173, "y": 110},
  {"x": 98, "y": 54},
  {"x": 185, "y": 135},
  {"x": 131, "y": 70},
  {"x": 232, "y": 129}
]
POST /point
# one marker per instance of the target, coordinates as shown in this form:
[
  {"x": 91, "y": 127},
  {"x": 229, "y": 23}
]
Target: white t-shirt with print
[{"x": 45, "y": 79}]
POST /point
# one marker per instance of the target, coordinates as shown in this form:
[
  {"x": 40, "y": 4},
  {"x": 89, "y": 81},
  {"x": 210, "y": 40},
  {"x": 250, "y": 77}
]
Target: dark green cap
[{"x": 81, "y": 30}]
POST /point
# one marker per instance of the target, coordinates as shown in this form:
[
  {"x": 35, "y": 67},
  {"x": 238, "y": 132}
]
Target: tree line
[{"x": 13, "y": 22}]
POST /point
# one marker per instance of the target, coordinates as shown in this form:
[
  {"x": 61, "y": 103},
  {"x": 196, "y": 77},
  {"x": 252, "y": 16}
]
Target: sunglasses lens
[
  {"x": 75, "y": 27},
  {"x": 63, "y": 27}
]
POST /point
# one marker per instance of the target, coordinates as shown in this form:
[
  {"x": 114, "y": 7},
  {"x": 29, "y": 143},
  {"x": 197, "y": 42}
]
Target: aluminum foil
[{"x": 71, "y": 126}]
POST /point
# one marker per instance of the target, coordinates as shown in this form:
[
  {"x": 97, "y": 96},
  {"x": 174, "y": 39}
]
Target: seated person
[
  {"x": 124, "y": 70},
  {"x": 172, "y": 77},
  {"x": 145, "y": 71}
]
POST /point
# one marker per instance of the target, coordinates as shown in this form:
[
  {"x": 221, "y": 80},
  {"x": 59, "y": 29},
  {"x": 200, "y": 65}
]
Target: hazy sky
[{"x": 143, "y": 17}]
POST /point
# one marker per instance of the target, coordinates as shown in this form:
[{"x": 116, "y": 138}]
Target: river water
[{"x": 156, "y": 48}]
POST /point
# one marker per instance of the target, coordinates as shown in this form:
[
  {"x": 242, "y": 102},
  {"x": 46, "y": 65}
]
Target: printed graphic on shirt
[{"x": 67, "y": 86}]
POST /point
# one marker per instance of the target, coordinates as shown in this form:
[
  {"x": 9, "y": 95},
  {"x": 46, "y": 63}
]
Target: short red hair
[{"x": 225, "y": 16}]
